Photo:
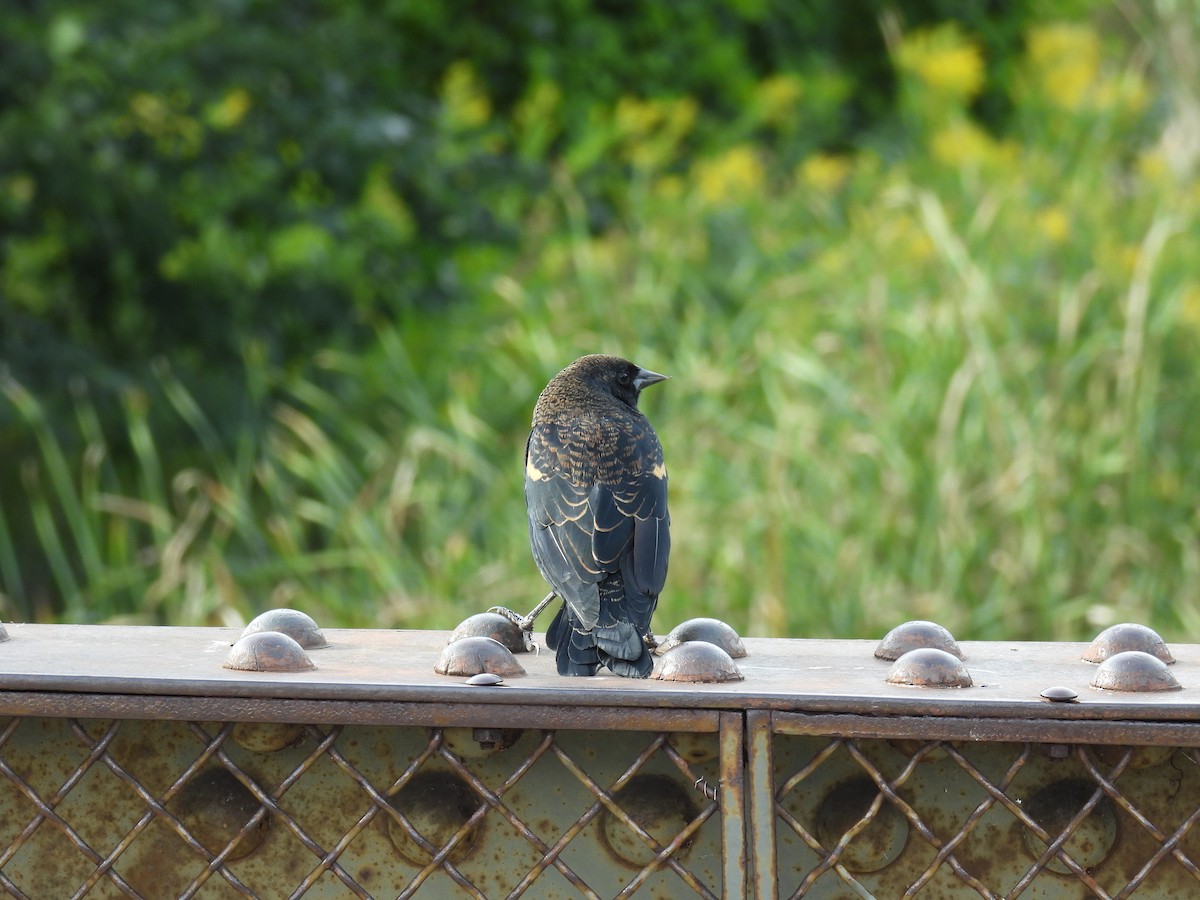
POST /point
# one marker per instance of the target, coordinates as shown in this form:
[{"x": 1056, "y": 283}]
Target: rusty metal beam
[{"x": 368, "y": 666}]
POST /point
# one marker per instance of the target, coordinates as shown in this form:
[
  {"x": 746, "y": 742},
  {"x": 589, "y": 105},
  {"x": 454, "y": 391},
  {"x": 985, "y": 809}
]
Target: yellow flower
[
  {"x": 229, "y": 111},
  {"x": 651, "y": 130},
  {"x": 464, "y": 101},
  {"x": 963, "y": 143},
  {"x": 1053, "y": 224},
  {"x": 1065, "y": 60},
  {"x": 634, "y": 116},
  {"x": 825, "y": 172},
  {"x": 730, "y": 176},
  {"x": 778, "y": 98},
  {"x": 944, "y": 61}
]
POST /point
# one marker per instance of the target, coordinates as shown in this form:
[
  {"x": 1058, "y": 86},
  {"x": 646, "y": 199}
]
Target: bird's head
[{"x": 623, "y": 379}]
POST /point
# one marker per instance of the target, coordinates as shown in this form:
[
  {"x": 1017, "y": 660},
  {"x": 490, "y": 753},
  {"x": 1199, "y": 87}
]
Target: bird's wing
[{"x": 581, "y": 534}]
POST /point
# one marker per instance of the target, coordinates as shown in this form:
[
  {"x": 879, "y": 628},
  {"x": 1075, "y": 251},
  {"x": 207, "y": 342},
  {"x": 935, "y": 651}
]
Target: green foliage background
[{"x": 278, "y": 288}]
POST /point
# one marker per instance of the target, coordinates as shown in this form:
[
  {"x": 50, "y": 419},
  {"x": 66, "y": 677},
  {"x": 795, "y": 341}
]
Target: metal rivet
[
  {"x": 916, "y": 635},
  {"x": 1054, "y": 806},
  {"x": 712, "y": 631},
  {"x": 698, "y": 662},
  {"x": 267, "y": 737},
  {"x": 1133, "y": 670},
  {"x": 215, "y": 807},
  {"x": 479, "y": 743},
  {"x": 299, "y": 626},
  {"x": 878, "y": 844},
  {"x": 1059, "y": 694},
  {"x": 495, "y": 738},
  {"x": 660, "y": 806},
  {"x": 491, "y": 625},
  {"x": 437, "y": 805},
  {"x": 3, "y": 633},
  {"x": 473, "y": 655},
  {"x": 1127, "y": 636},
  {"x": 268, "y": 651},
  {"x": 485, "y": 679},
  {"x": 929, "y": 667}
]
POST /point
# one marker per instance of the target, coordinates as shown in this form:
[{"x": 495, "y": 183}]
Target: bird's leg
[
  {"x": 525, "y": 623},
  {"x": 649, "y": 640}
]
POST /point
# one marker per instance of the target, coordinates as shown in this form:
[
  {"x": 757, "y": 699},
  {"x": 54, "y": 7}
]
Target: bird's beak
[{"x": 645, "y": 378}]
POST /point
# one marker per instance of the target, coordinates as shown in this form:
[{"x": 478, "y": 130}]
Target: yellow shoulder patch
[
  {"x": 659, "y": 471},
  {"x": 533, "y": 472}
]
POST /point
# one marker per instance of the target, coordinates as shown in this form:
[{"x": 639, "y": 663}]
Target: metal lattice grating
[
  {"x": 182, "y": 809},
  {"x": 903, "y": 818}
]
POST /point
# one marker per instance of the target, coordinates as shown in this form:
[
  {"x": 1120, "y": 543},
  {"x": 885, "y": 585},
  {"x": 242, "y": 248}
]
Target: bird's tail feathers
[
  {"x": 620, "y": 639},
  {"x": 635, "y": 668},
  {"x": 575, "y": 652}
]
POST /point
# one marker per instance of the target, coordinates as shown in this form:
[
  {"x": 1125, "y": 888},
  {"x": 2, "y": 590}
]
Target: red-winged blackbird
[{"x": 596, "y": 492}]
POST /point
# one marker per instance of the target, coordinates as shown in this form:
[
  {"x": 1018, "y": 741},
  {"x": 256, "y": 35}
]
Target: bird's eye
[{"x": 624, "y": 379}]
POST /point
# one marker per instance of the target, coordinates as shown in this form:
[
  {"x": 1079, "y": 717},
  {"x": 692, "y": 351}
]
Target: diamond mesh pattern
[
  {"x": 152, "y": 809},
  {"x": 943, "y": 819}
]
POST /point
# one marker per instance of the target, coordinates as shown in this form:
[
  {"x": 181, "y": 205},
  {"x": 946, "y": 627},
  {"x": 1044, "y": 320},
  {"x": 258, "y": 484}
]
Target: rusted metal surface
[
  {"x": 810, "y": 675},
  {"x": 134, "y": 764},
  {"x": 876, "y": 818},
  {"x": 175, "y": 809}
]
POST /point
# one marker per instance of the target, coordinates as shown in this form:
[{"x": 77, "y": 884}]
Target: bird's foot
[
  {"x": 524, "y": 623},
  {"x": 650, "y": 640}
]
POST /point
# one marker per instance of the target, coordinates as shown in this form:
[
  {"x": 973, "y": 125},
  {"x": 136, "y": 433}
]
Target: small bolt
[
  {"x": 1059, "y": 694},
  {"x": 488, "y": 738}
]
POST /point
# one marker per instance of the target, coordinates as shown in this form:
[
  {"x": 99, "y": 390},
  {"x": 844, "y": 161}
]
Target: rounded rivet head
[
  {"x": 491, "y": 625},
  {"x": 914, "y": 636},
  {"x": 3, "y": 633},
  {"x": 485, "y": 679},
  {"x": 660, "y": 806},
  {"x": 299, "y": 626},
  {"x": 215, "y": 807},
  {"x": 875, "y": 846},
  {"x": 1059, "y": 694},
  {"x": 698, "y": 662},
  {"x": 475, "y": 655},
  {"x": 267, "y": 737},
  {"x": 268, "y": 651},
  {"x": 1127, "y": 636},
  {"x": 1134, "y": 670},
  {"x": 929, "y": 667},
  {"x": 711, "y": 631},
  {"x": 1054, "y": 806},
  {"x": 437, "y": 805}
]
